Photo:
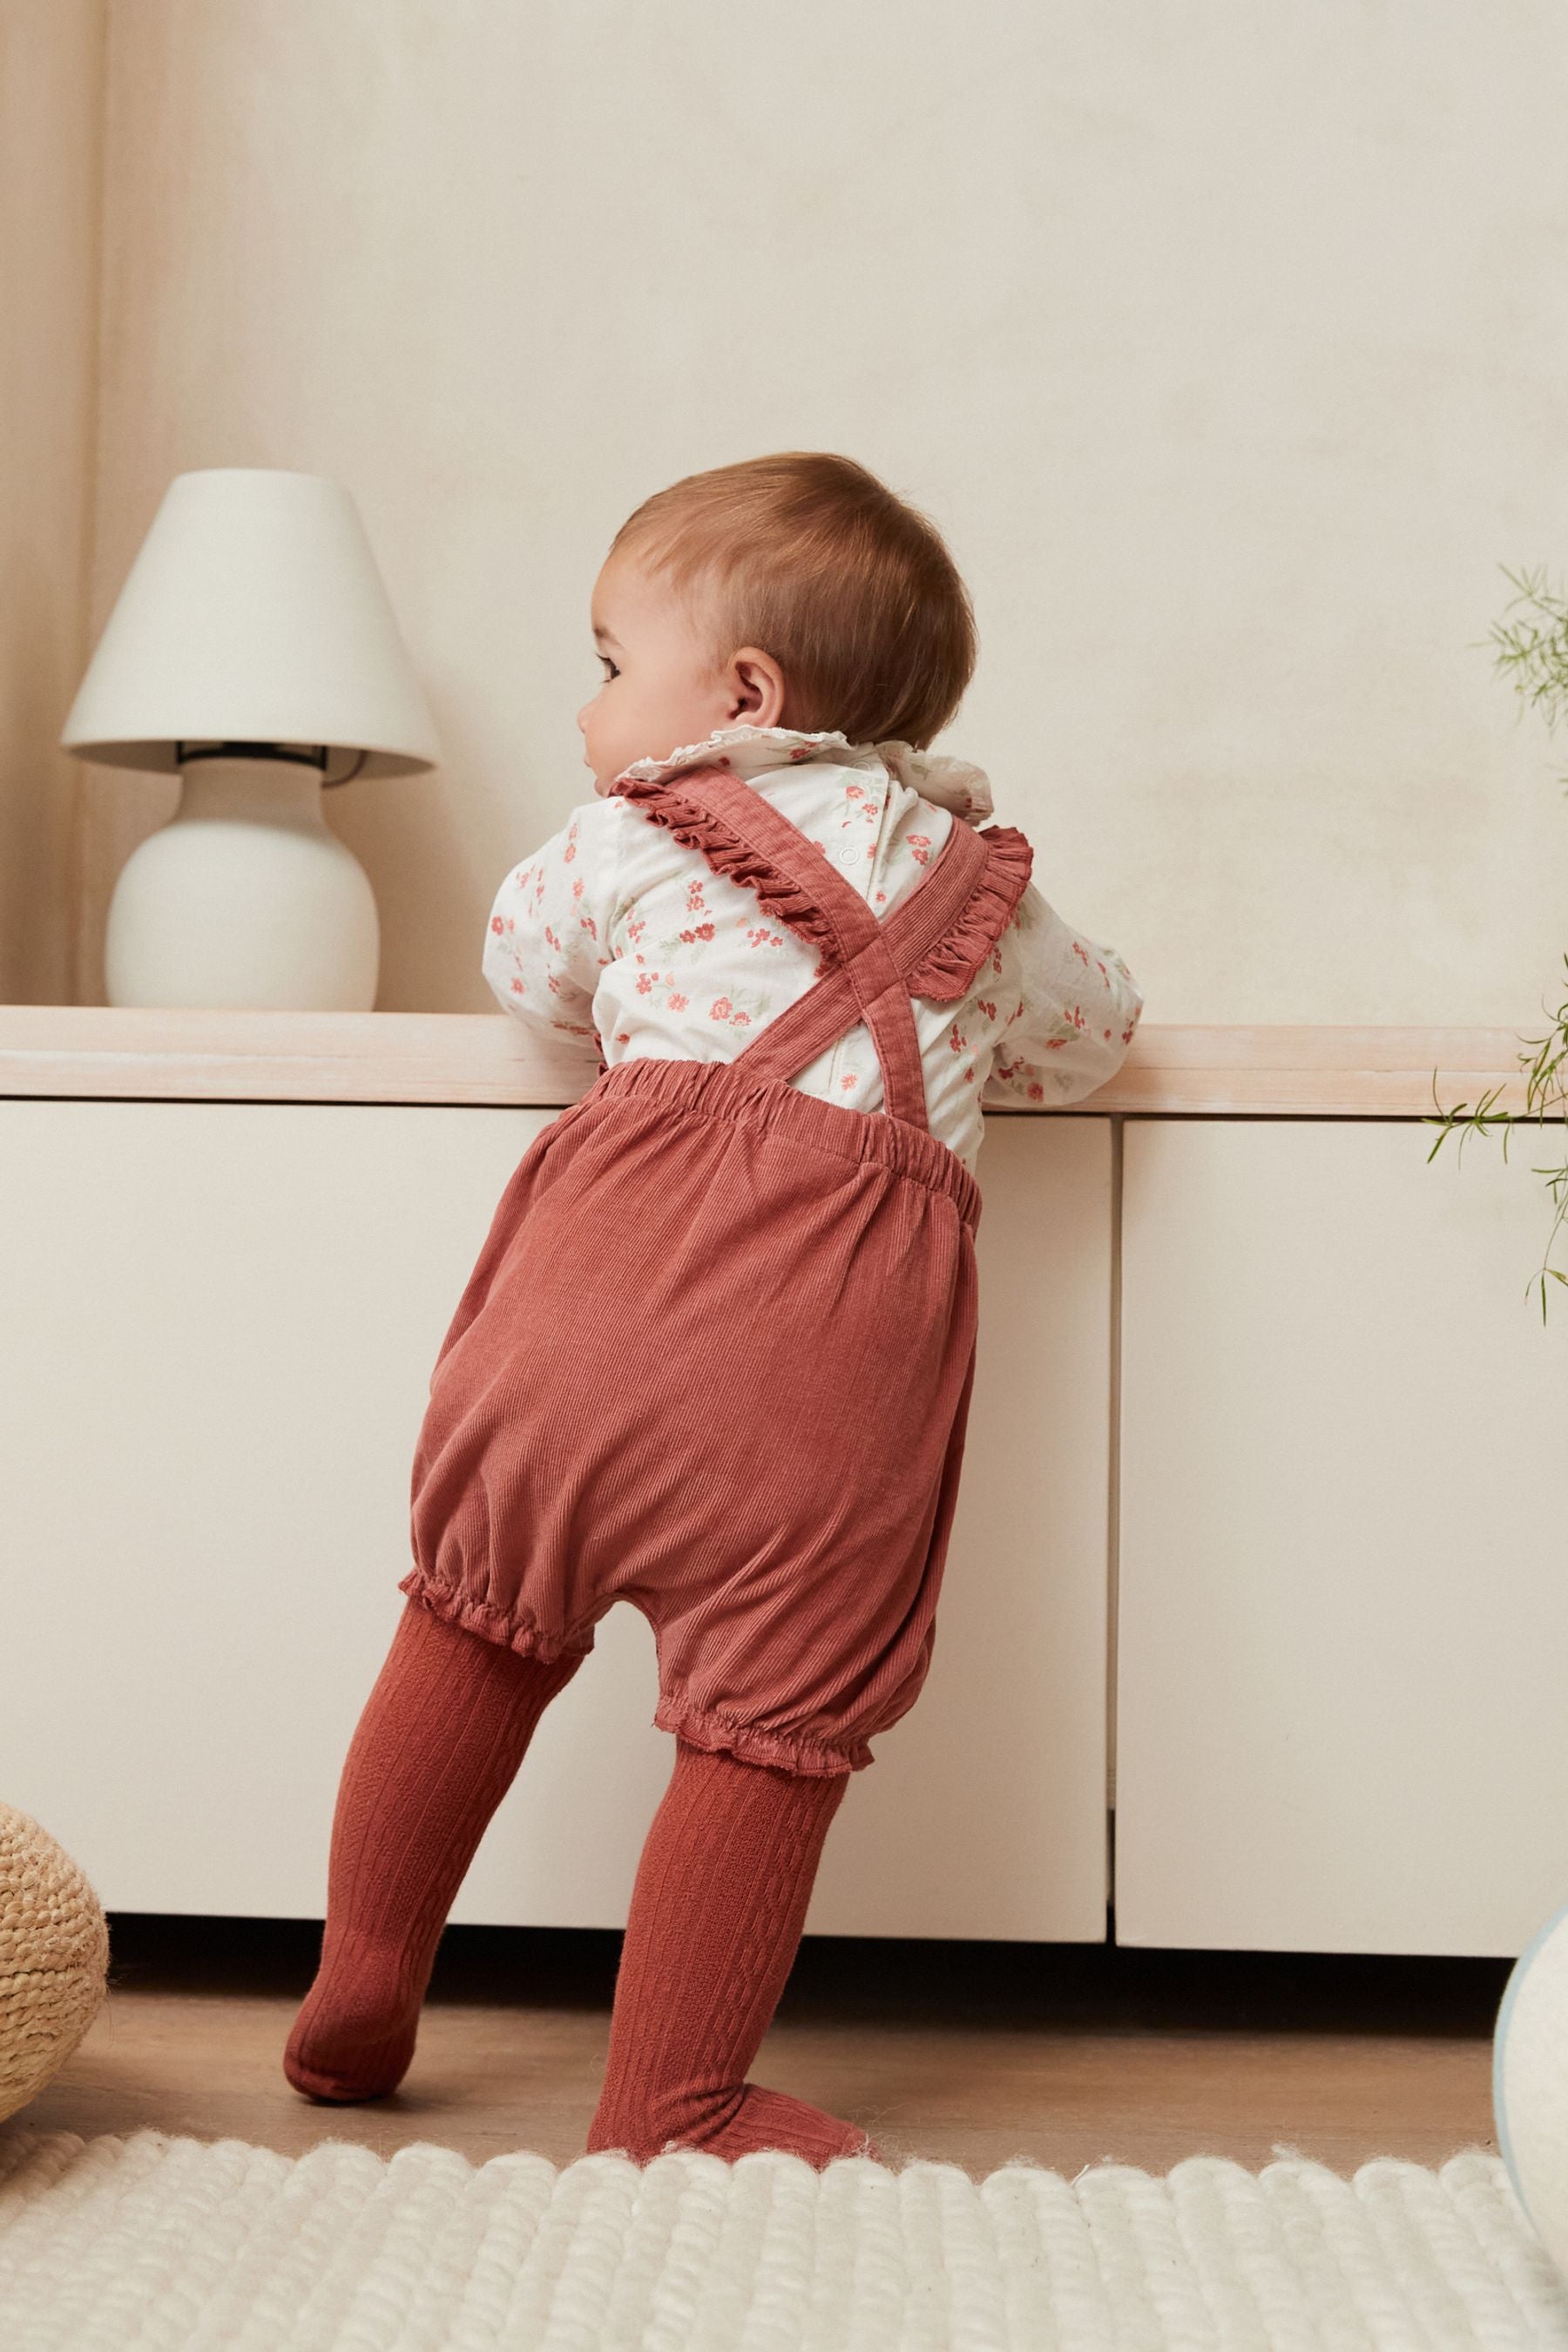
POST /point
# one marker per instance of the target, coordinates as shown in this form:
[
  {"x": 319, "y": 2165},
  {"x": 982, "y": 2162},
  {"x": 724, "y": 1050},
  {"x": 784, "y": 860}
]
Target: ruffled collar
[{"x": 749, "y": 752}]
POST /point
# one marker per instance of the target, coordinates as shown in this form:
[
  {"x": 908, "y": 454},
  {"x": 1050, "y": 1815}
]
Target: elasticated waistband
[{"x": 726, "y": 1090}]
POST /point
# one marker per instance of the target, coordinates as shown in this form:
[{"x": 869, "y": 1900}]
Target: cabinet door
[
  {"x": 984, "y": 1812},
  {"x": 220, "y": 1324},
  {"x": 1342, "y": 1614},
  {"x": 221, "y": 1321}
]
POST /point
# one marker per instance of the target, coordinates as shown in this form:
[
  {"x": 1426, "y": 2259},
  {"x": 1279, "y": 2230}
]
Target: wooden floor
[{"x": 968, "y": 2053}]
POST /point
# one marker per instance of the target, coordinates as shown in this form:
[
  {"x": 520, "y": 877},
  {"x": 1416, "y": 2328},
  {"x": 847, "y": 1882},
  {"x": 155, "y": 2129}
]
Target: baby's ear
[{"x": 755, "y": 686}]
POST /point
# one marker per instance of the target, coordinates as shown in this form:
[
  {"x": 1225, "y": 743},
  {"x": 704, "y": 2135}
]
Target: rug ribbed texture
[{"x": 153, "y": 2241}]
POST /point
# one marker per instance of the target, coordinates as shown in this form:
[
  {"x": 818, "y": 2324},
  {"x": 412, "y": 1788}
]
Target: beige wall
[
  {"x": 1228, "y": 344},
  {"x": 51, "y": 67}
]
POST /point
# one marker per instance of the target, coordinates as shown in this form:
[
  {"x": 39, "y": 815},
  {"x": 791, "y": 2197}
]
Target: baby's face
[{"x": 662, "y": 687}]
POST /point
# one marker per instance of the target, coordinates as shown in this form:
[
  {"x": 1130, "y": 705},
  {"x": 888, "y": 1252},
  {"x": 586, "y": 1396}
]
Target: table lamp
[{"x": 252, "y": 650}]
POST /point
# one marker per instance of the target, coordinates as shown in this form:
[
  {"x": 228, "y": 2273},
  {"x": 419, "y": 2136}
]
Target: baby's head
[{"x": 793, "y": 590}]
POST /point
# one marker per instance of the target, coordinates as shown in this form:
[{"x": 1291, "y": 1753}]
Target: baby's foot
[
  {"x": 354, "y": 2035},
  {"x": 759, "y": 2119},
  {"x": 350, "y": 2087}
]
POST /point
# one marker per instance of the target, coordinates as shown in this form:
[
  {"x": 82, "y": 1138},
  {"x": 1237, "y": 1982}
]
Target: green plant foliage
[{"x": 1531, "y": 652}]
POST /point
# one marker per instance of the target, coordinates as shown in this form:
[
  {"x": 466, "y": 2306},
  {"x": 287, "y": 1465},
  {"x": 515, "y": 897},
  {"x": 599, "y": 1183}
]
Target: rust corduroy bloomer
[{"x": 716, "y": 1355}]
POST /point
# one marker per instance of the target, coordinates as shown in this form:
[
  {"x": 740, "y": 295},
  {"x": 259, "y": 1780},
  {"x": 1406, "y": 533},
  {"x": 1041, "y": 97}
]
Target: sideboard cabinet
[{"x": 1255, "y": 1615}]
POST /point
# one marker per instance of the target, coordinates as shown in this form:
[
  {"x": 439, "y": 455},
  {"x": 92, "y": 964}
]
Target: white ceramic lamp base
[{"x": 245, "y": 897}]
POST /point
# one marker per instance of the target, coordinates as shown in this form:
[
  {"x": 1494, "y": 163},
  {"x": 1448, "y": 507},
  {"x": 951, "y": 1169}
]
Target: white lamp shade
[{"x": 254, "y": 613}]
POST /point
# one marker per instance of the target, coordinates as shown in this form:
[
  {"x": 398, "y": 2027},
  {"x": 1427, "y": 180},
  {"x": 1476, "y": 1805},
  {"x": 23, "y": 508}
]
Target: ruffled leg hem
[
  {"x": 516, "y": 1631},
  {"x": 711, "y": 1729}
]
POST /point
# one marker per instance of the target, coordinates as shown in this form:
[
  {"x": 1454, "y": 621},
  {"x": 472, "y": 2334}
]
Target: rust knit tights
[
  {"x": 437, "y": 1747},
  {"x": 716, "y": 1918},
  {"x": 715, "y": 1915}
]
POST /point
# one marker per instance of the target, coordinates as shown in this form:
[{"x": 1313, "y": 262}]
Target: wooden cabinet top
[{"x": 186, "y": 1054}]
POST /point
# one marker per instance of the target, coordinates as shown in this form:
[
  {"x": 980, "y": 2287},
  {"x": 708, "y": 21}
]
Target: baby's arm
[
  {"x": 548, "y": 935},
  {"x": 1077, "y": 1008}
]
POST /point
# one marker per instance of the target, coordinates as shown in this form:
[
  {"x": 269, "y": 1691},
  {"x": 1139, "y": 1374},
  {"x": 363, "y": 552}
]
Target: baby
[{"x": 716, "y": 1355}]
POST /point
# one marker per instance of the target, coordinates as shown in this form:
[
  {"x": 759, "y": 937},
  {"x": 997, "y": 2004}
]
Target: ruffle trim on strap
[
  {"x": 661, "y": 800},
  {"x": 946, "y": 972}
]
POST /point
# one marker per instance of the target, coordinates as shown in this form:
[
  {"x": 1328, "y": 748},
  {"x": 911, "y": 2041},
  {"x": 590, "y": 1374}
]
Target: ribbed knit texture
[
  {"x": 716, "y": 1918},
  {"x": 442, "y": 1732}
]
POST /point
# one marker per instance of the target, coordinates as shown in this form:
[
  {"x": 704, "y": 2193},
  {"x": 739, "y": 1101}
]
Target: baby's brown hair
[{"x": 811, "y": 559}]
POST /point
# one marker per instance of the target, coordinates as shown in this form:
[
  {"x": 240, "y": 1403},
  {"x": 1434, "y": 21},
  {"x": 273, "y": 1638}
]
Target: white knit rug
[{"x": 125, "y": 2245}]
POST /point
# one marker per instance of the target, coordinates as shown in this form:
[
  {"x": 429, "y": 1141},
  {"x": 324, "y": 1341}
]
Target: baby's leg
[
  {"x": 716, "y": 1918},
  {"x": 437, "y": 1747}
]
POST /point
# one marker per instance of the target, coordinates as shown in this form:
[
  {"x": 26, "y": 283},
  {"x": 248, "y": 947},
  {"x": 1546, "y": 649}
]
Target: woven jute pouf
[{"x": 53, "y": 1958}]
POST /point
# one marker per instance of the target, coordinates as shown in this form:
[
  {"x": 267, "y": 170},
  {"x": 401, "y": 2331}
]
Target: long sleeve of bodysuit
[
  {"x": 1077, "y": 1006},
  {"x": 548, "y": 934}
]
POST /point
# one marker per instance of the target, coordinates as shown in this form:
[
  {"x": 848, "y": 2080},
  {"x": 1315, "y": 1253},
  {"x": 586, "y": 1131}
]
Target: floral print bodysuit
[{"x": 615, "y": 932}]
